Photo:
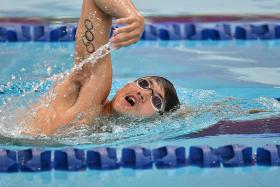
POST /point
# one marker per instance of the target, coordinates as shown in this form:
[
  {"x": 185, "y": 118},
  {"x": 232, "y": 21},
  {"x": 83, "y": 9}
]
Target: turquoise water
[
  {"x": 217, "y": 80},
  {"x": 33, "y": 8},
  {"x": 205, "y": 73}
]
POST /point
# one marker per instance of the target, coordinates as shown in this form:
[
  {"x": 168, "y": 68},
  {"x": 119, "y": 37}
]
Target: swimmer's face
[{"x": 136, "y": 101}]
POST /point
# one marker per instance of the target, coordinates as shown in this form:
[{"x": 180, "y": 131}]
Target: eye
[
  {"x": 144, "y": 83},
  {"x": 157, "y": 102}
]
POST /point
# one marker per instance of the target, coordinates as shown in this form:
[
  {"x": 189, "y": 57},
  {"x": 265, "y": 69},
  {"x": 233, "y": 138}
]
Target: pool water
[
  {"x": 216, "y": 80},
  {"x": 219, "y": 80}
]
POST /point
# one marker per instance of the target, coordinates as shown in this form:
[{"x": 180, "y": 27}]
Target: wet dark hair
[{"x": 172, "y": 102}]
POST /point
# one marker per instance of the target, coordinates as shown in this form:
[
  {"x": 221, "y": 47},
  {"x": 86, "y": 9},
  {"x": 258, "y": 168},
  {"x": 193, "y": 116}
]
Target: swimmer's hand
[{"x": 130, "y": 33}]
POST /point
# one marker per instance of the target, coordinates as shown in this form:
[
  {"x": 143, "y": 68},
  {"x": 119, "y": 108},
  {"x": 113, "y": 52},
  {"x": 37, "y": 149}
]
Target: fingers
[
  {"x": 127, "y": 28},
  {"x": 125, "y": 43},
  {"x": 125, "y": 36},
  {"x": 130, "y": 33},
  {"x": 127, "y": 20}
]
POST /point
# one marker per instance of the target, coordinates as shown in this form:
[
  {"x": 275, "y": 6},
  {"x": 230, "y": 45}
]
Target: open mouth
[{"x": 130, "y": 100}]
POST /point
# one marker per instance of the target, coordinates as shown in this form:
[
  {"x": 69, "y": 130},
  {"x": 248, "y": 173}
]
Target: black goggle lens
[
  {"x": 157, "y": 102},
  {"x": 143, "y": 84}
]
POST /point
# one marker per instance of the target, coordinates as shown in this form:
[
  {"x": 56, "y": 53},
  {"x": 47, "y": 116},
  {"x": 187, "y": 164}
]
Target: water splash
[
  {"x": 20, "y": 96},
  {"x": 94, "y": 57}
]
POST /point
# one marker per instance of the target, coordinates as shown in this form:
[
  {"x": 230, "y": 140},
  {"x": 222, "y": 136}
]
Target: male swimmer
[{"x": 82, "y": 96}]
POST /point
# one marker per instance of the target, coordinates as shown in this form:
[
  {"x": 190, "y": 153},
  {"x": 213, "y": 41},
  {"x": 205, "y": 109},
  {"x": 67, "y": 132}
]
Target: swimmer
[{"x": 82, "y": 95}]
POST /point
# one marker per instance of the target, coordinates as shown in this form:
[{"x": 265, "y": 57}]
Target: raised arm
[
  {"x": 93, "y": 32},
  {"x": 89, "y": 86},
  {"x": 98, "y": 14}
]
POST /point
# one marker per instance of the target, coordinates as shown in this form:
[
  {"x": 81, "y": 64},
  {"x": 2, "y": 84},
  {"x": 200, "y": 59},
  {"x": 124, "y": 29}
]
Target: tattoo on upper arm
[{"x": 88, "y": 36}]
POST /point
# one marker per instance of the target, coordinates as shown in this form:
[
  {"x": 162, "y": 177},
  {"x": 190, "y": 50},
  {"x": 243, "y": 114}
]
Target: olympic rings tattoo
[
  {"x": 90, "y": 48},
  {"x": 88, "y": 24},
  {"x": 88, "y": 36},
  {"x": 85, "y": 41}
]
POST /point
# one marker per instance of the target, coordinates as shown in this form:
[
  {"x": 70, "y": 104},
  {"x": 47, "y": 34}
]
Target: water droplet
[{"x": 49, "y": 70}]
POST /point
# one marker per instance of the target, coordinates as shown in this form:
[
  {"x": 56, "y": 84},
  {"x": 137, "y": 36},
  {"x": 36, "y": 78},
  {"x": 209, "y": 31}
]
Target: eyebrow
[{"x": 153, "y": 85}]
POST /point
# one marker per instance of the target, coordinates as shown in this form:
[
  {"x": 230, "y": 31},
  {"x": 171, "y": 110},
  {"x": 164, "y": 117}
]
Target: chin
[
  {"x": 129, "y": 111},
  {"x": 121, "y": 108}
]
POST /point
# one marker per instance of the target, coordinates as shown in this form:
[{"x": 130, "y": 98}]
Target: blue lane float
[
  {"x": 69, "y": 159},
  {"x": 235, "y": 155},
  {"x": 32, "y": 160},
  {"x": 169, "y": 157},
  {"x": 277, "y": 31},
  {"x": 152, "y": 31},
  {"x": 102, "y": 158},
  {"x": 203, "y": 156},
  {"x": 136, "y": 157},
  {"x": 15, "y": 33},
  {"x": 39, "y": 33},
  {"x": 269, "y": 155},
  {"x": 8, "y": 161}
]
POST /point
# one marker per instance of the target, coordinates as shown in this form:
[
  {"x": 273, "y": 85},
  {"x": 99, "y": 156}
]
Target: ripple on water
[{"x": 200, "y": 109}]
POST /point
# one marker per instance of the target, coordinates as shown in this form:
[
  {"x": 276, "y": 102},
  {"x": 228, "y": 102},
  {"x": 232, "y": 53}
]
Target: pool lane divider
[
  {"x": 136, "y": 157},
  {"x": 152, "y": 31}
]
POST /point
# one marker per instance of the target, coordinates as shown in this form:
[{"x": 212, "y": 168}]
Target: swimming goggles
[{"x": 156, "y": 100}]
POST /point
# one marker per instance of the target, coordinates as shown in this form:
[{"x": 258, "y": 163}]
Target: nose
[
  {"x": 144, "y": 95},
  {"x": 140, "y": 96}
]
